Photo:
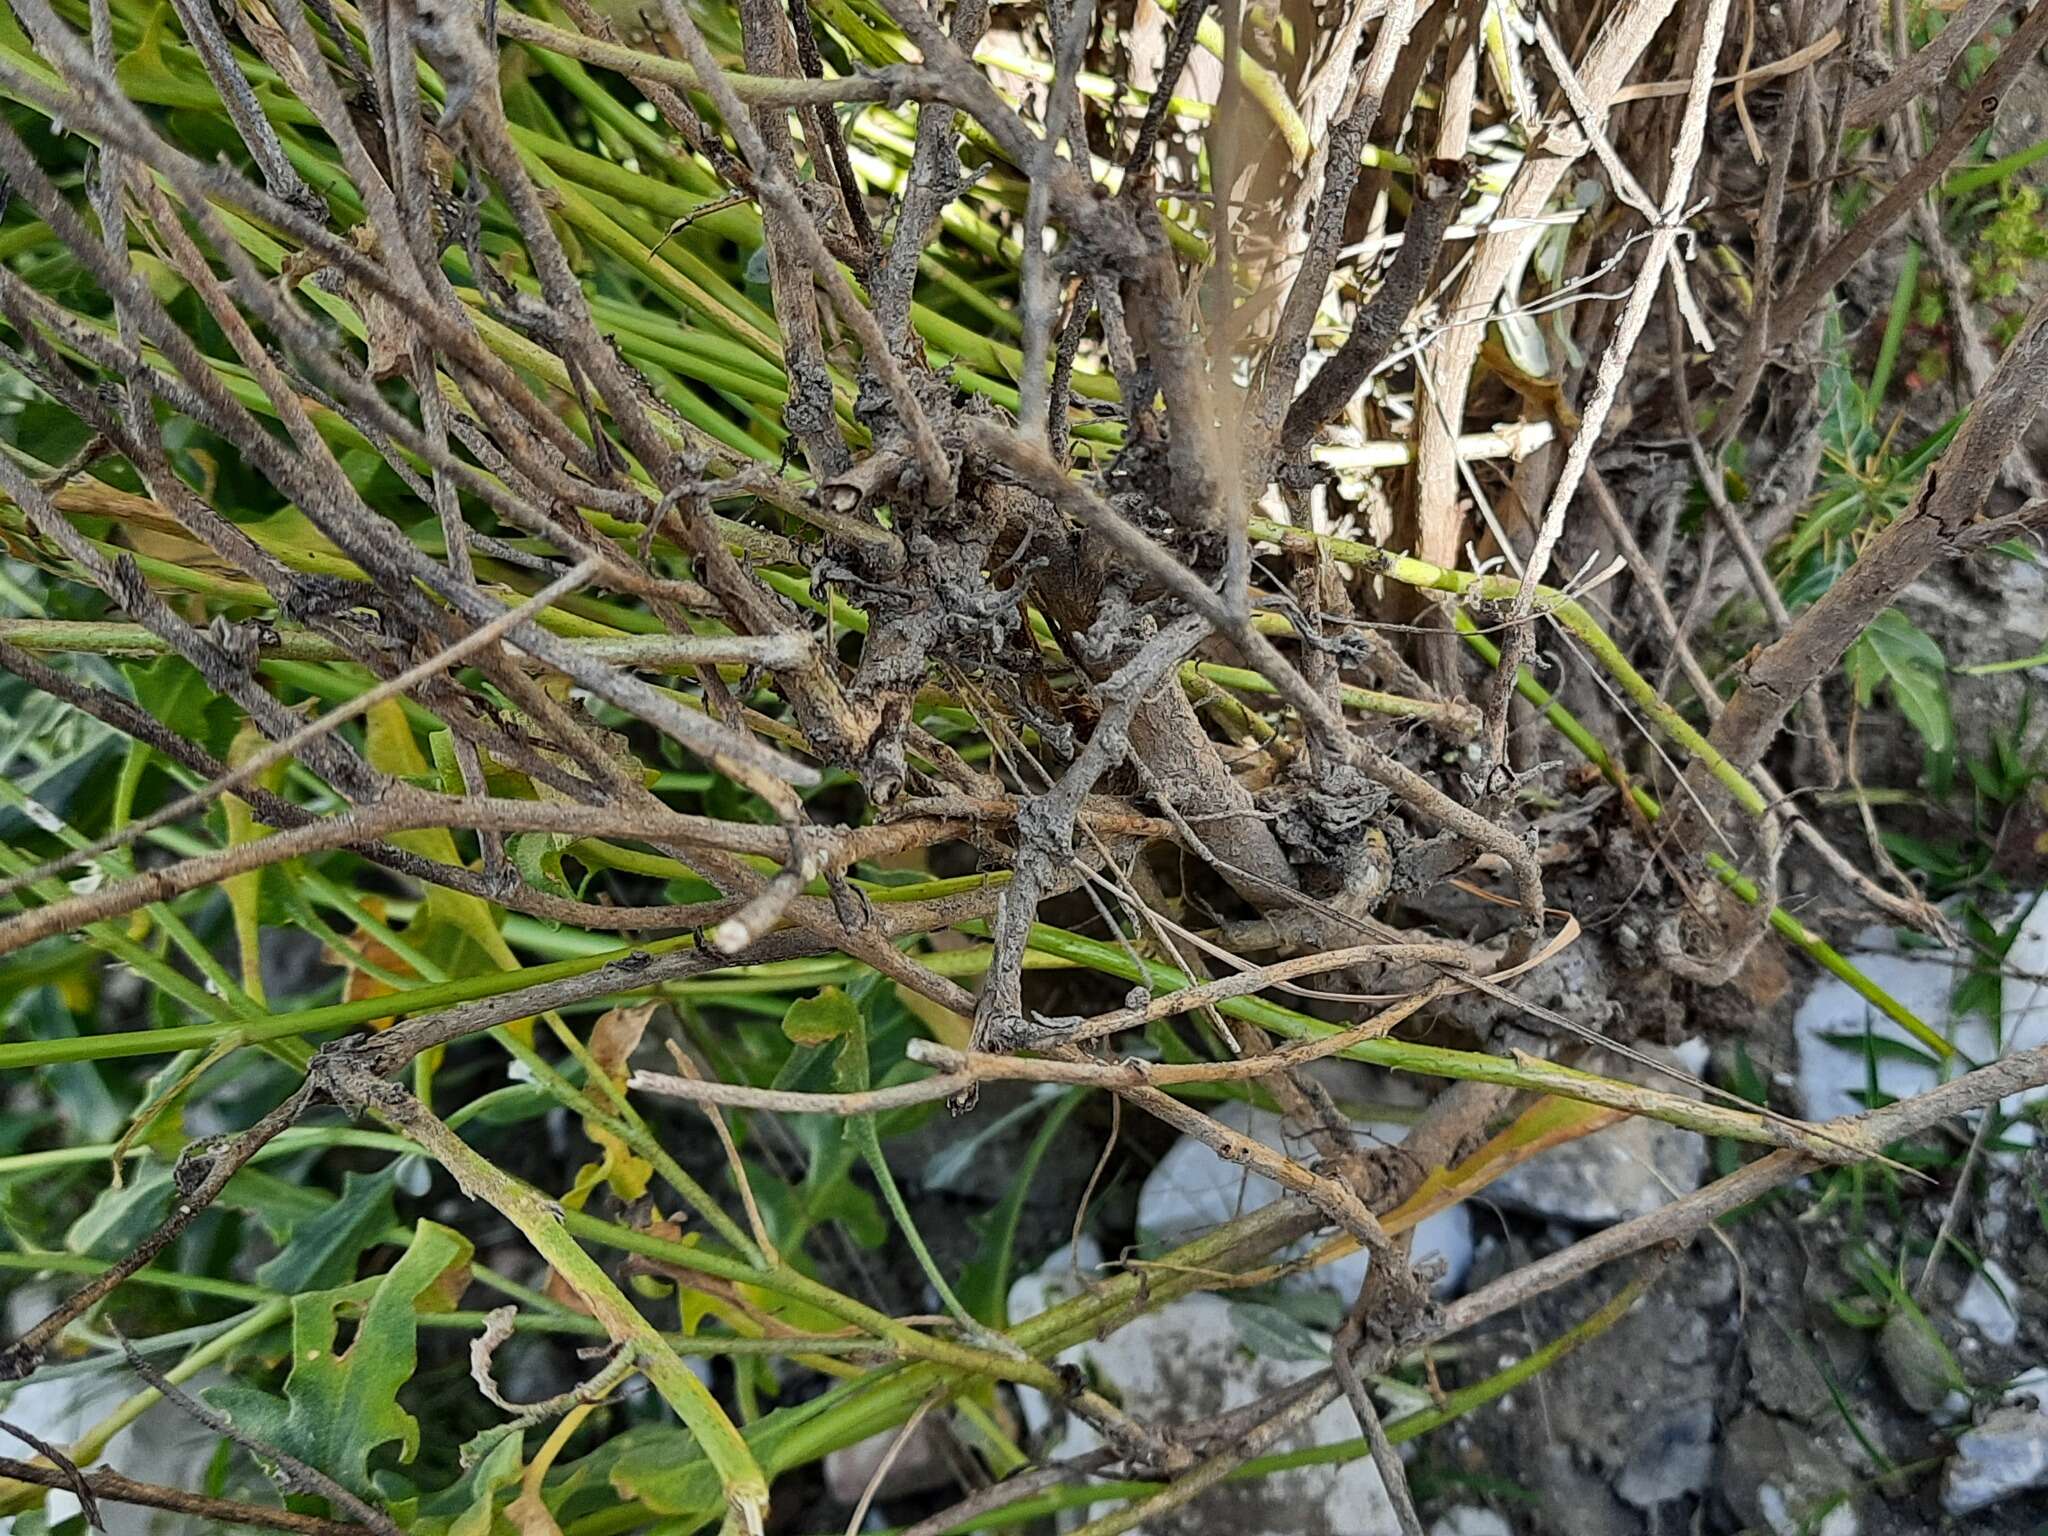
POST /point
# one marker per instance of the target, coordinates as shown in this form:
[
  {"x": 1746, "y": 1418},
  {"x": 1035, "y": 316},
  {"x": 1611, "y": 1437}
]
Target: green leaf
[
  {"x": 120, "y": 1218},
  {"x": 1897, "y": 653},
  {"x": 171, "y": 689},
  {"x": 1266, "y": 1330},
  {"x": 538, "y": 858},
  {"x": 985, "y": 1284},
  {"x": 494, "y": 1460},
  {"x": 819, "y": 1020},
  {"x": 1881, "y": 1047},
  {"x": 1917, "y": 853},
  {"x": 341, "y": 1406},
  {"x": 323, "y": 1253},
  {"x": 1981, "y": 990},
  {"x": 87, "y": 1105},
  {"x": 1845, "y": 411},
  {"x": 828, "y": 1192},
  {"x": 281, "y": 1205},
  {"x": 1895, "y": 323},
  {"x": 1814, "y": 575}
]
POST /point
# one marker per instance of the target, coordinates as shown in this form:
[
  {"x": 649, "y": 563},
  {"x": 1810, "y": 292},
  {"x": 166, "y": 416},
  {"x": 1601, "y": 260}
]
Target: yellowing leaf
[
  {"x": 947, "y": 1027},
  {"x": 245, "y": 891},
  {"x": 613, "y": 1039},
  {"x": 616, "y": 1036},
  {"x": 529, "y": 1513},
  {"x": 1545, "y": 392},
  {"x": 445, "y": 915},
  {"x": 384, "y": 321},
  {"x": 359, "y": 983},
  {"x": 1549, "y": 1122}
]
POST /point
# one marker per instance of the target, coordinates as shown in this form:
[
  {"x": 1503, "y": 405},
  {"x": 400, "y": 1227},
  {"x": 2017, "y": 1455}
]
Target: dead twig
[
  {"x": 117, "y": 1488},
  {"x": 1976, "y": 113},
  {"x": 1944, "y": 520}
]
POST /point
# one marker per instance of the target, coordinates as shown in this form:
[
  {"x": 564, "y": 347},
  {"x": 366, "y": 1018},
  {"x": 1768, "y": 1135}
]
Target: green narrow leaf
[
  {"x": 985, "y": 1283},
  {"x": 1895, "y": 324},
  {"x": 1845, "y": 412},
  {"x": 1274, "y": 1334}
]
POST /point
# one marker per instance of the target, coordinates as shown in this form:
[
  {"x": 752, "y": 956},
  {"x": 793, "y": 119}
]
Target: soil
[{"x": 1735, "y": 1375}]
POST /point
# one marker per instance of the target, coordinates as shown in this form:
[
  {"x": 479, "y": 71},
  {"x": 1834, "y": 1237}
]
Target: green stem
[
  {"x": 1522, "y": 1072},
  {"x": 543, "y": 1223},
  {"x": 307, "y": 1021},
  {"x": 87, "y": 1448},
  {"x": 1458, "y": 717},
  {"x": 1265, "y": 88}
]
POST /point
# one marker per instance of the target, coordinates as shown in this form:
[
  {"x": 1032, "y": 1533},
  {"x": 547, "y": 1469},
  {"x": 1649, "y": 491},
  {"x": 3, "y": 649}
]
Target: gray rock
[
  {"x": 1573, "y": 1501},
  {"x": 1921, "y": 1371},
  {"x": 1672, "y": 1460},
  {"x": 1187, "y": 1361},
  {"x": 919, "y": 1465},
  {"x": 1470, "y": 1520},
  {"x": 1193, "y": 1190},
  {"x": 1778, "y": 1477},
  {"x": 2004, "y": 1455},
  {"x": 1784, "y": 1379},
  {"x": 1625, "y": 1171},
  {"x": 1990, "y": 1304}
]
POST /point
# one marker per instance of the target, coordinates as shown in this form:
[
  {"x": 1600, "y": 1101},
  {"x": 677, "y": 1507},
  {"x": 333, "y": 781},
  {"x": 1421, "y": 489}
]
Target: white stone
[
  {"x": 1470, "y": 1520},
  {"x": 1674, "y": 1460},
  {"x": 1842, "y": 1520},
  {"x": 163, "y": 1445},
  {"x": 2025, "y": 994},
  {"x": 2004, "y": 1455},
  {"x": 1834, "y": 1074},
  {"x": 1066, "y": 1274},
  {"x": 1692, "y": 1055},
  {"x": 1186, "y": 1361},
  {"x": 2029, "y": 1389},
  {"x": 1193, "y": 1190},
  {"x": 1627, "y": 1170},
  {"x": 1989, "y": 1304}
]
